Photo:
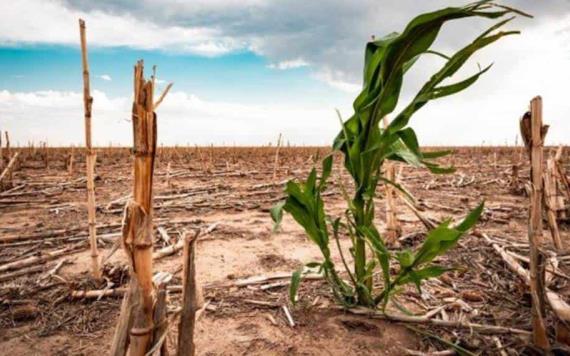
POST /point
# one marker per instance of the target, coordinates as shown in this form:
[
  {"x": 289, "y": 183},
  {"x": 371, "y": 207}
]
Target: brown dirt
[{"x": 231, "y": 187}]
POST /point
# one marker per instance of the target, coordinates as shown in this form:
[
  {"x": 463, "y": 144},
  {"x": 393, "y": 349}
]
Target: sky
[{"x": 245, "y": 71}]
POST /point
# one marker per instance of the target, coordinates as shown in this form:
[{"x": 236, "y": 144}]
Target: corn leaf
[{"x": 443, "y": 237}]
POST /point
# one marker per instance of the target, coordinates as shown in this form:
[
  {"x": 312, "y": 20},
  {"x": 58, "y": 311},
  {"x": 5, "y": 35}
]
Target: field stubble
[{"x": 227, "y": 192}]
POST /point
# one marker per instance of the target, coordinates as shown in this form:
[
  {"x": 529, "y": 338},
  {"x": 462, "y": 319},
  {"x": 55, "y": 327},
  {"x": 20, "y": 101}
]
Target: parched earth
[{"x": 227, "y": 193}]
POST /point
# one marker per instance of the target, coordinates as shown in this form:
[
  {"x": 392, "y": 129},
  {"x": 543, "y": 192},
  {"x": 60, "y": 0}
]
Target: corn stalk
[
  {"x": 138, "y": 222},
  {"x": 365, "y": 147},
  {"x": 90, "y": 157},
  {"x": 137, "y": 226}
]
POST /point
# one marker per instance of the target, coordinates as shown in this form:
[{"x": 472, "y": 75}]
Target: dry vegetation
[{"x": 48, "y": 301}]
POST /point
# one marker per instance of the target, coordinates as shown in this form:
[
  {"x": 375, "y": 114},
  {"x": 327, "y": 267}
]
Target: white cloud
[
  {"x": 49, "y": 21},
  {"x": 333, "y": 78},
  {"x": 57, "y": 117},
  {"x": 329, "y": 35},
  {"x": 105, "y": 77},
  {"x": 536, "y": 62},
  {"x": 291, "y": 64}
]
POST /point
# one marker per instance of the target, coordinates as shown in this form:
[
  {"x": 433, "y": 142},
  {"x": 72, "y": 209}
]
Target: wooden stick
[
  {"x": 189, "y": 301},
  {"x": 90, "y": 157}
]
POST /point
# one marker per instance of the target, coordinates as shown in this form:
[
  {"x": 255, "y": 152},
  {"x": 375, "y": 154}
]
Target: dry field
[{"x": 227, "y": 193}]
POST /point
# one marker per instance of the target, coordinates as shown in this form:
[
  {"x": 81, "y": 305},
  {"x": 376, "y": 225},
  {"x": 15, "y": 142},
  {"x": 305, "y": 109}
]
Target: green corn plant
[{"x": 365, "y": 147}]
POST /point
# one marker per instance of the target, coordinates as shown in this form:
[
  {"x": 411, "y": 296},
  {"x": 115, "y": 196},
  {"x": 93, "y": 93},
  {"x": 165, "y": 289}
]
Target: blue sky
[
  {"x": 57, "y": 67},
  {"x": 245, "y": 71},
  {"x": 241, "y": 78}
]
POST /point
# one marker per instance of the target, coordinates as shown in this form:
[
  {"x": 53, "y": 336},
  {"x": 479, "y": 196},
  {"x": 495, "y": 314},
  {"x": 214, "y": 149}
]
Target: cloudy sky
[{"x": 245, "y": 71}]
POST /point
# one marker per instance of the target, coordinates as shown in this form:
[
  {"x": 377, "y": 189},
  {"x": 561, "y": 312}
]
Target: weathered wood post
[{"x": 90, "y": 156}]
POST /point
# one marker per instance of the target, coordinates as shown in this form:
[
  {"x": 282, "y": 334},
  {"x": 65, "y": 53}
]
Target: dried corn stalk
[
  {"x": 137, "y": 225},
  {"x": 533, "y": 133},
  {"x": 553, "y": 201},
  {"x": 90, "y": 158},
  {"x": 7, "y": 172},
  {"x": 393, "y": 228},
  {"x": 563, "y": 186},
  {"x": 137, "y": 229}
]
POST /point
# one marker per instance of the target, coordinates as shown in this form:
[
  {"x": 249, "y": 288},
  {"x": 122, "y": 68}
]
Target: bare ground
[{"x": 230, "y": 190}]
